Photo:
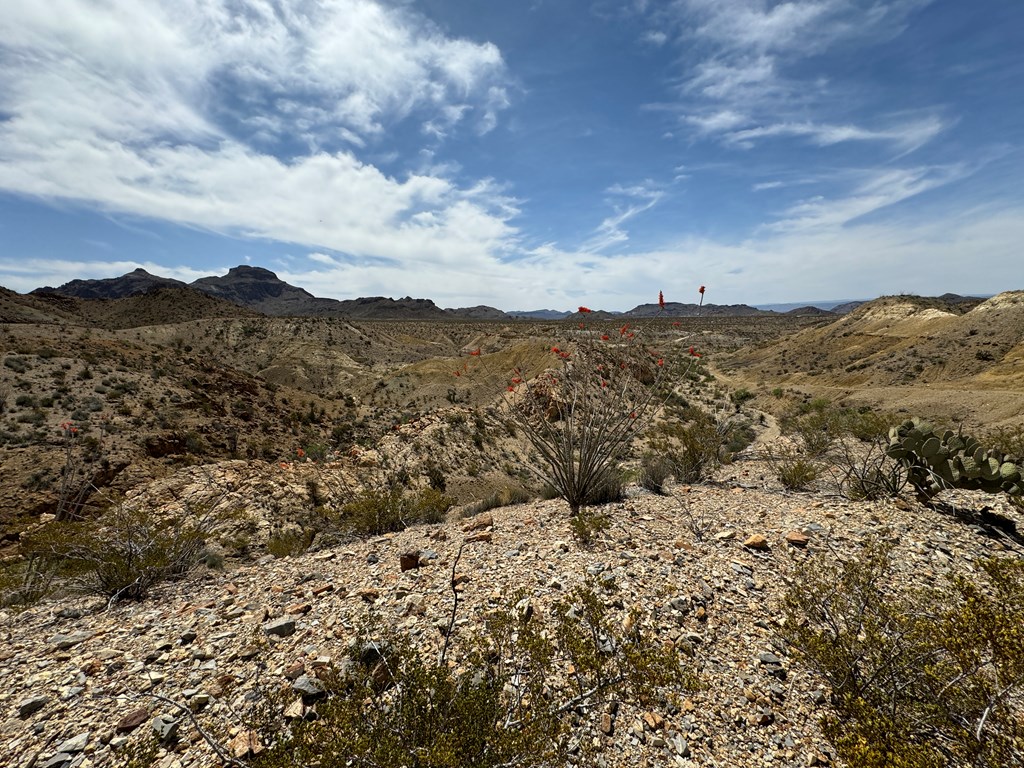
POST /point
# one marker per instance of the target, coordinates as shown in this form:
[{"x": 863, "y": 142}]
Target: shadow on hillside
[{"x": 984, "y": 520}]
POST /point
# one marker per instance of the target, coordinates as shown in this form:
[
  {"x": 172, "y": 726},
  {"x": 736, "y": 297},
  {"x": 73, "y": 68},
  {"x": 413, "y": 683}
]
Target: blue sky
[{"x": 519, "y": 154}]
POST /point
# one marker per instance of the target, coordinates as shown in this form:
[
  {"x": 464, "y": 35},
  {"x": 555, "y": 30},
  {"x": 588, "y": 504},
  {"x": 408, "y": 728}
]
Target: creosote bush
[
  {"x": 920, "y": 679},
  {"x": 519, "y": 694},
  {"x": 794, "y": 470},
  {"x": 375, "y": 511},
  {"x": 123, "y": 553}
]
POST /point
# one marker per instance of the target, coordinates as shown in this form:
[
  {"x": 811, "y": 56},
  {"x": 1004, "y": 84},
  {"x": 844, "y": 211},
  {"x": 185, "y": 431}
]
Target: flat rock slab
[
  {"x": 280, "y": 627},
  {"x": 64, "y": 642}
]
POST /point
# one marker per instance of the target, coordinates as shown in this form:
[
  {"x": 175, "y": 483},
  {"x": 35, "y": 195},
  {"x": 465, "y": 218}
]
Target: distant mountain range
[{"x": 260, "y": 290}]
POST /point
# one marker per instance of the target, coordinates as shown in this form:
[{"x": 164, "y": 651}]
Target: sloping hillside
[{"x": 903, "y": 352}]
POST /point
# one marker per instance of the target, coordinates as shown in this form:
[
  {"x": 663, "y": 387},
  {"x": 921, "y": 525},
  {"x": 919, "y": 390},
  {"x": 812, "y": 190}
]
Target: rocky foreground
[{"x": 82, "y": 680}]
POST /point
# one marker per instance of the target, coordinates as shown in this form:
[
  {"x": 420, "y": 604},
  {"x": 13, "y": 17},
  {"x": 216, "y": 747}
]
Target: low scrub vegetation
[
  {"x": 920, "y": 678},
  {"x": 524, "y": 688},
  {"x": 375, "y": 511},
  {"x": 121, "y": 555}
]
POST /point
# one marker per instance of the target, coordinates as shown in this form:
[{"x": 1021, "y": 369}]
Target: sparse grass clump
[{"x": 506, "y": 496}]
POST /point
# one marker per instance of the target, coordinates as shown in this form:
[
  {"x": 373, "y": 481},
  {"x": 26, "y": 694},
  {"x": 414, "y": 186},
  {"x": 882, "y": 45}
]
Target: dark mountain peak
[
  {"x": 256, "y": 288},
  {"x": 252, "y": 273},
  {"x": 134, "y": 283}
]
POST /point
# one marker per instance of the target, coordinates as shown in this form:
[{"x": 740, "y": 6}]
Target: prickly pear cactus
[{"x": 940, "y": 459}]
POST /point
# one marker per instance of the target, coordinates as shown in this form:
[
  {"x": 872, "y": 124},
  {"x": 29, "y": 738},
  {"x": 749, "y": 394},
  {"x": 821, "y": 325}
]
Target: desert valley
[{"x": 330, "y": 473}]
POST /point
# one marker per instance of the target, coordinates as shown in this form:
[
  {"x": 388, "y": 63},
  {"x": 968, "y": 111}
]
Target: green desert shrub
[
  {"x": 655, "y": 471},
  {"x": 694, "y": 450},
  {"x": 794, "y": 470},
  {"x": 123, "y": 553},
  {"x": 919, "y": 679},
  {"x": 375, "y": 511},
  {"x": 508, "y": 700}
]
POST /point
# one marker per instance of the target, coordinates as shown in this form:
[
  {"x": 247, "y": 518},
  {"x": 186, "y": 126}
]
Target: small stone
[
  {"x": 75, "y": 744},
  {"x": 31, "y": 705},
  {"x": 369, "y": 595},
  {"x": 299, "y": 609},
  {"x": 486, "y": 536},
  {"x": 607, "y": 724},
  {"x": 309, "y": 687},
  {"x": 246, "y": 744},
  {"x": 296, "y": 710},
  {"x": 680, "y": 746},
  {"x": 479, "y": 523},
  {"x": 187, "y": 637},
  {"x": 725, "y": 535},
  {"x": 409, "y": 560},
  {"x": 165, "y": 728},
  {"x": 282, "y": 627},
  {"x": 797, "y": 539},
  {"x": 756, "y": 541},
  {"x": 654, "y": 720},
  {"x": 295, "y": 670},
  {"x": 64, "y": 642},
  {"x": 59, "y": 760},
  {"x": 132, "y": 720},
  {"x": 372, "y": 559}
]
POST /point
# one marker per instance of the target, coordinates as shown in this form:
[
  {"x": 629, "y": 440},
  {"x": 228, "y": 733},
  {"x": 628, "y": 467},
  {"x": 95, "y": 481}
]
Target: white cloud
[
  {"x": 609, "y": 232},
  {"x": 129, "y": 109},
  {"x": 743, "y": 58},
  {"x": 906, "y": 137},
  {"x": 878, "y": 190}
]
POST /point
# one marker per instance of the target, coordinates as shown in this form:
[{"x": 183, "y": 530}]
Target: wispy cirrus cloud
[
  {"x": 906, "y": 137},
  {"x": 743, "y": 81},
  {"x": 627, "y": 202}
]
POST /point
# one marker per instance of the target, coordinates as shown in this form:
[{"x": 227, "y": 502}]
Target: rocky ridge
[{"x": 83, "y": 679}]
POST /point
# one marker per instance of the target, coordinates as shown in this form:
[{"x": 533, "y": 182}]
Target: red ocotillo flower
[
  {"x": 604, "y": 337},
  {"x": 694, "y": 352},
  {"x": 701, "y": 290},
  {"x": 584, "y": 310},
  {"x": 623, "y": 329},
  {"x": 661, "y": 361},
  {"x": 661, "y": 299},
  {"x": 475, "y": 352},
  {"x": 300, "y": 453}
]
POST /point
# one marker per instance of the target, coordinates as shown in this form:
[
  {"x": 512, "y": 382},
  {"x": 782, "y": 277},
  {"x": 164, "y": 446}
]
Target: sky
[{"x": 526, "y": 154}]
